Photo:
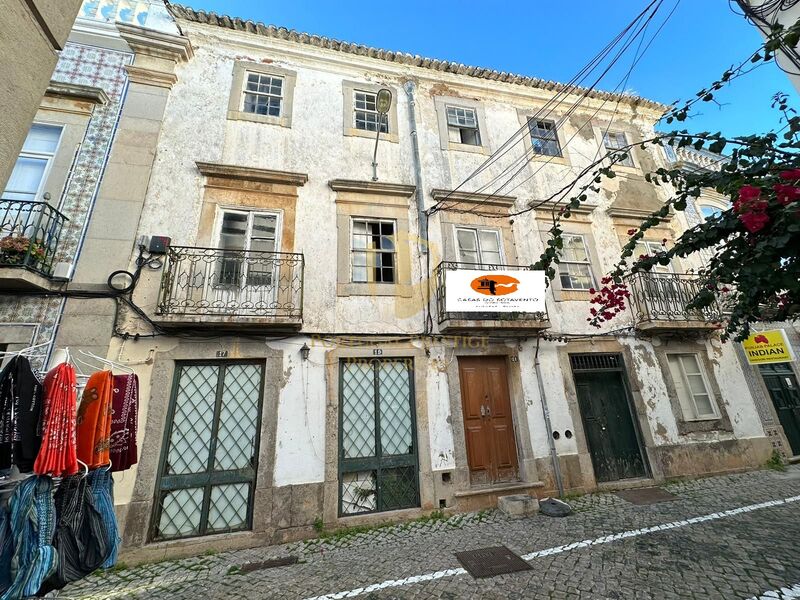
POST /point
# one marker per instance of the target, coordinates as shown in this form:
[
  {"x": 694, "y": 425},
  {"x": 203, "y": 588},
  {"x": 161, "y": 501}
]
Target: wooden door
[
  {"x": 488, "y": 425},
  {"x": 785, "y": 393},
  {"x": 609, "y": 427}
]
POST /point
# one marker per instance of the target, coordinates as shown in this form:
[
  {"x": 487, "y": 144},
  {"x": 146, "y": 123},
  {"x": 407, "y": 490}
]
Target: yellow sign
[{"x": 766, "y": 347}]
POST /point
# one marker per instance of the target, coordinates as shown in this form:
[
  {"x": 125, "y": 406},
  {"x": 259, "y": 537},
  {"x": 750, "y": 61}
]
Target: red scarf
[{"x": 57, "y": 455}]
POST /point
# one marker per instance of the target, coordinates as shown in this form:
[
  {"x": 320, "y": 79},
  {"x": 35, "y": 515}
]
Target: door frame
[
  {"x": 776, "y": 422},
  {"x": 519, "y": 400}
]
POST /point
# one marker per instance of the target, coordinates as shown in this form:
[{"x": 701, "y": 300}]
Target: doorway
[
  {"x": 611, "y": 432},
  {"x": 782, "y": 385},
  {"x": 488, "y": 425}
]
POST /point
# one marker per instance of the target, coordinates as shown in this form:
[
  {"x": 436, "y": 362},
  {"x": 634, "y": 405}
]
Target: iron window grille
[
  {"x": 575, "y": 265},
  {"x": 373, "y": 252},
  {"x": 209, "y": 459},
  {"x": 378, "y": 459},
  {"x": 544, "y": 138},
  {"x": 596, "y": 361},
  {"x": 462, "y": 126},
  {"x": 366, "y": 115},
  {"x": 263, "y": 94},
  {"x": 614, "y": 141}
]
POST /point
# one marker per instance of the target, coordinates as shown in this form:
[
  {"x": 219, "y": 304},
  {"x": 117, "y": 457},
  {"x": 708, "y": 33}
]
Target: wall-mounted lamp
[
  {"x": 305, "y": 351},
  {"x": 383, "y": 102}
]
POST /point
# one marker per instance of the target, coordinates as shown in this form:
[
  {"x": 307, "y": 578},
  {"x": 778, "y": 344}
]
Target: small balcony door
[
  {"x": 478, "y": 247},
  {"x": 248, "y": 272}
]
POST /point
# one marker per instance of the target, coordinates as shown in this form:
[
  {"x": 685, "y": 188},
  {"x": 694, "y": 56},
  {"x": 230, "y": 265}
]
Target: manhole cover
[
  {"x": 651, "y": 495},
  {"x": 489, "y": 562},
  {"x": 268, "y": 564}
]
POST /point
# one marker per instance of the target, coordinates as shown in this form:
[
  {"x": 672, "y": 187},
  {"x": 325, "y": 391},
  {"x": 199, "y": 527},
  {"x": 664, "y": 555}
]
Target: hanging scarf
[
  {"x": 81, "y": 537},
  {"x": 124, "y": 422},
  {"x": 57, "y": 455},
  {"x": 20, "y": 415},
  {"x": 32, "y": 525},
  {"x": 102, "y": 485},
  {"x": 94, "y": 420}
]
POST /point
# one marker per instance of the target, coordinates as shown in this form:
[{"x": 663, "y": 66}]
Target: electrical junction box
[
  {"x": 63, "y": 271},
  {"x": 159, "y": 244}
]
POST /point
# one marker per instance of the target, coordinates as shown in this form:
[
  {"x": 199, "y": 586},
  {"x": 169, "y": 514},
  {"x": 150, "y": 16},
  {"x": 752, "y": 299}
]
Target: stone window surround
[
  {"x": 348, "y": 123},
  {"x": 372, "y": 200},
  {"x": 523, "y": 114},
  {"x": 441, "y": 103},
  {"x": 689, "y": 426},
  {"x": 240, "y": 70}
]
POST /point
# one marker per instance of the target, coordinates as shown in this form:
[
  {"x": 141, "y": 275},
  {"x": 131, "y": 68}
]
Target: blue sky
[{"x": 554, "y": 40}]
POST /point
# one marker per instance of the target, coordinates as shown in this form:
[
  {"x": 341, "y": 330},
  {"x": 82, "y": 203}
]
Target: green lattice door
[
  {"x": 209, "y": 459},
  {"x": 378, "y": 468}
]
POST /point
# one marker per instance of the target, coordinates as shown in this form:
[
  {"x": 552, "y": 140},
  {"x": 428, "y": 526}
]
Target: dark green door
[
  {"x": 610, "y": 432},
  {"x": 782, "y": 385}
]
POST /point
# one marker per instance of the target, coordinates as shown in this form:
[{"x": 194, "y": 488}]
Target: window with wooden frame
[
  {"x": 263, "y": 94},
  {"x": 251, "y": 239},
  {"x": 365, "y": 112},
  {"x": 462, "y": 126},
  {"x": 616, "y": 140},
  {"x": 478, "y": 246},
  {"x": 373, "y": 251},
  {"x": 692, "y": 388},
  {"x": 544, "y": 137},
  {"x": 575, "y": 265}
]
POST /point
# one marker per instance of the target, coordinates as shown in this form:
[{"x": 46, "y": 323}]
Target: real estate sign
[
  {"x": 495, "y": 291},
  {"x": 765, "y": 347}
]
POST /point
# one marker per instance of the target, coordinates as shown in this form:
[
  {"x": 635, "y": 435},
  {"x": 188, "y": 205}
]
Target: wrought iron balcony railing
[
  {"x": 232, "y": 283},
  {"x": 441, "y": 295},
  {"x": 664, "y": 296},
  {"x": 29, "y": 235}
]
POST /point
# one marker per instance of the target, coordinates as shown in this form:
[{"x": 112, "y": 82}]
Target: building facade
[{"x": 297, "y": 360}]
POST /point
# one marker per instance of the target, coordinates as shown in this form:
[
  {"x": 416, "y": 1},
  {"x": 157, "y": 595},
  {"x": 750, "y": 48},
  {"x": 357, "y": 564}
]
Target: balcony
[
  {"x": 30, "y": 233},
  {"x": 658, "y": 302},
  {"x": 472, "y": 322},
  {"x": 210, "y": 287}
]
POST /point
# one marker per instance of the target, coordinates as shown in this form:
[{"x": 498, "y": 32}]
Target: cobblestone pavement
[{"x": 728, "y": 555}]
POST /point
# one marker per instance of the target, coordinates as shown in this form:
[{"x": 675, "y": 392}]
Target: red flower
[
  {"x": 792, "y": 175},
  {"x": 749, "y": 192},
  {"x": 754, "y": 221},
  {"x": 631, "y": 231},
  {"x": 786, "y": 193}
]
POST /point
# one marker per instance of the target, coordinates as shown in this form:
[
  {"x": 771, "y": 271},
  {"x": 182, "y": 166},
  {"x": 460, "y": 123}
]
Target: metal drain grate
[
  {"x": 651, "y": 495},
  {"x": 490, "y": 562},
  {"x": 268, "y": 564}
]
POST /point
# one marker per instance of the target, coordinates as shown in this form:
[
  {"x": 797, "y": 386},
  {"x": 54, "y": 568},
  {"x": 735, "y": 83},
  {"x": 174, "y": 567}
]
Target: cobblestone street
[{"x": 745, "y": 546}]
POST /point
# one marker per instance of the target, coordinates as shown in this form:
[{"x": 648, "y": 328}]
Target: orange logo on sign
[{"x": 494, "y": 285}]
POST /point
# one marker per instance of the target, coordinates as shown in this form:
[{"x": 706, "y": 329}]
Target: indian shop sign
[
  {"x": 765, "y": 347},
  {"x": 495, "y": 291}
]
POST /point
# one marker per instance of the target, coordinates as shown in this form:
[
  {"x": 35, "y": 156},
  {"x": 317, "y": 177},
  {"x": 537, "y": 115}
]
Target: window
[
  {"x": 651, "y": 249},
  {"x": 263, "y": 94},
  {"x": 209, "y": 463},
  {"x": 478, "y": 246},
  {"x": 574, "y": 266},
  {"x": 543, "y": 137},
  {"x": 373, "y": 257},
  {"x": 377, "y": 442},
  {"x": 366, "y": 113},
  {"x": 709, "y": 211},
  {"x": 30, "y": 170},
  {"x": 462, "y": 126},
  {"x": 251, "y": 238},
  {"x": 691, "y": 387},
  {"x": 613, "y": 141}
]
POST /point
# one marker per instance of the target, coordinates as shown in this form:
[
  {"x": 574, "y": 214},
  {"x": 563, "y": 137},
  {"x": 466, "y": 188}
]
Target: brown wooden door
[{"x": 488, "y": 426}]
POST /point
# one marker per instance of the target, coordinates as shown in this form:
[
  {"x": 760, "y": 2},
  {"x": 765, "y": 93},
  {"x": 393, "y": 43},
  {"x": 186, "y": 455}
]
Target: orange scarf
[{"x": 94, "y": 420}]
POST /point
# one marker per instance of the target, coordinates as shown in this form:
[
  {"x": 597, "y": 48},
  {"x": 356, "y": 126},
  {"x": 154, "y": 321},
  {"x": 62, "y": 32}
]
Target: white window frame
[
  {"x": 476, "y": 231},
  {"x": 221, "y": 211},
  {"x": 605, "y": 135},
  {"x": 458, "y": 128},
  {"x": 381, "y": 119},
  {"x": 554, "y": 138},
  {"x": 587, "y": 262},
  {"x": 653, "y": 248},
  {"x": 689, "y": 395},
  {"x": 353, "y": 250},
  {"x": 49, "y": 158},
  {"x": 281, "y": 98}
]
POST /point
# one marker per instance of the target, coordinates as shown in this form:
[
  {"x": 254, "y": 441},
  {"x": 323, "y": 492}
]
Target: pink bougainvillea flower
[
  {"x": 749, "y": 192},
  {"x": 631, "y": 231},
  {"x": 792, "y": 175},
  {"x": 754, "y": 221},
  {"x": 786, "y": 194}
]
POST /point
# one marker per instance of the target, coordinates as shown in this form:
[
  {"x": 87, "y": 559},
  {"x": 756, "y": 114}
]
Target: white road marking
[
  {"x": 606, "y": 539},
  {"x": 787, "y": 593}
]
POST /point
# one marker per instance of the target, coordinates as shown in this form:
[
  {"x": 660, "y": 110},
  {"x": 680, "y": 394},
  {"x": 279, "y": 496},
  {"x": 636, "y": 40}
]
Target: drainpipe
[
  {"x": 420, "y": 193},
  {"x": 546, "y": 413}
]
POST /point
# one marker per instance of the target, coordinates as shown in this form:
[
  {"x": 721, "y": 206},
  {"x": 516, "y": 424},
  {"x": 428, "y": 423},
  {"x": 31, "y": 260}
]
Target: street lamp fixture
[{"x": 383, "y": 102}]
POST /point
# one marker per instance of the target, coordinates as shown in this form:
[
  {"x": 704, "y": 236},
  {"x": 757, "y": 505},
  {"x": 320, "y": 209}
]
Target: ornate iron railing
[
  {"x": 664, "y": 296},
  {"x": 441, "y": 294},
  {"x": 29, "y": 235},
  {"x": 231, "y": 283}
]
